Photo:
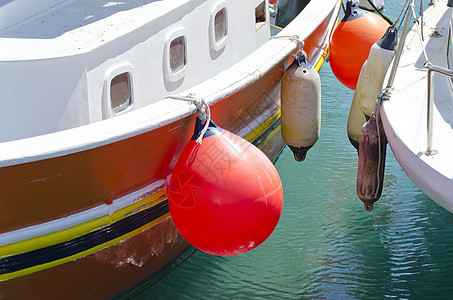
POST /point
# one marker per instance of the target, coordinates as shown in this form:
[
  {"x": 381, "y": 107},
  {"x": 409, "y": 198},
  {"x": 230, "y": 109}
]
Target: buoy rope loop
[
  {"x": 385, "y": 94},
  {"x": 206, "y": 125},
  {"x": 204, "y": 113},
  {"x": 295, "y": 38}
]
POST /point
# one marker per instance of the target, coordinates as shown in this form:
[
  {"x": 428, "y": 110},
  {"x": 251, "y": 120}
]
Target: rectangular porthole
[
  {"x": 178, "y": 54},
  {"x": 120, "y": 92},
  {"x": 175, "y": 55},
  {"x": 260, "y": 15},
  {"x": 220, "y": 25}
]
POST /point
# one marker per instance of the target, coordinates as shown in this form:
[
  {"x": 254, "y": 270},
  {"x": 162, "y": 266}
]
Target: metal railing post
[
  {"x": 429, "y": 116},
  {"x": 430, "y": 103}
]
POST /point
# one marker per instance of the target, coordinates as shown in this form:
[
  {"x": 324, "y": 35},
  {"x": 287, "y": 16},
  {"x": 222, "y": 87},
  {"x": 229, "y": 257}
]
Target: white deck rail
[{"x": 429, "y": 126}]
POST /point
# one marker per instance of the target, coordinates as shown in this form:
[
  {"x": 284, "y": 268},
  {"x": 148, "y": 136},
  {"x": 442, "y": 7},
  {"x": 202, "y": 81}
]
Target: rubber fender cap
[
  {"x": 213, "y": 129},
  {"x": 390, "y": 39},
  {"x": 353, "y": 11},
  {"x": 299, "y": 152}
]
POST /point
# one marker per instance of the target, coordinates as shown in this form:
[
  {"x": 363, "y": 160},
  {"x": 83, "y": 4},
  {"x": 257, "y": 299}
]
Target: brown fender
[{"x": 370, "y": 171}]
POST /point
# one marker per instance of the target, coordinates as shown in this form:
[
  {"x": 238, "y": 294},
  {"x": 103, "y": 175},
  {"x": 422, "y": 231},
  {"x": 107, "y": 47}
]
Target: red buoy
[
  {"x": 225, "y": 195},
  {"x": 351, "y": 42}
]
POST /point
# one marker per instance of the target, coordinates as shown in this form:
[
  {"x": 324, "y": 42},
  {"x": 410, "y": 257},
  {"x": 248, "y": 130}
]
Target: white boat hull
[
  {"x": 434, "y": 184},
  {"x": 404, "y": 115}
]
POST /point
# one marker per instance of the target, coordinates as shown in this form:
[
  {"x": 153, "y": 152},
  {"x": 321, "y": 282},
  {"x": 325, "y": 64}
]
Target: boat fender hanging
[
  {"x": 356, "y": 120},
  {"x": 374, "y": 69},
  {"x": 370, "y": 83},
  {"x": 300, "y": 106},
  {"x": 225, "y": 196},
  {"x": 372, "y": 150},
  {"x": 351, "y": 42}
]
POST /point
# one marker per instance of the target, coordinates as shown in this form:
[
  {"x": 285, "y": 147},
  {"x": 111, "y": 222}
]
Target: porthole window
[
  {"x": 178, "y": 58},
  {"x": 120, "y": 92},
  {"x": 218, "y": 26},
  {"x": 260, "y": 15},
  {"x": 175, "y": 55}
]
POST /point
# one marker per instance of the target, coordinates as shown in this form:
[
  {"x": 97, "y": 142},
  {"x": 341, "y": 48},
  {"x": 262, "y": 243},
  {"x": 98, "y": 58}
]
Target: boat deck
[{"x": 71, "y": 27}]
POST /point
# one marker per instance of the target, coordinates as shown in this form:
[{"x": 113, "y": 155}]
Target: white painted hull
[
  {"x": 405, "y": 115},
  {"x": 434, "y": 184}
]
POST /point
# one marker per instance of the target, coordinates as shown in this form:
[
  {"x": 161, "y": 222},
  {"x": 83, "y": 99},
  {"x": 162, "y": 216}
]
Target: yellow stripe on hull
[
  {"x": 87, "y": 227},
  {"x": 79, "y": 230},
  {"x": 263, "y": 126},
  {"x": 270, "y": 135},
  {"x": 44, "y": 266}
]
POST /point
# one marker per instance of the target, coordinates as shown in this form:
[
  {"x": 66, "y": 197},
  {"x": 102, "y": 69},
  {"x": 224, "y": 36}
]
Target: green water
[{"x": 325, "y": 245}]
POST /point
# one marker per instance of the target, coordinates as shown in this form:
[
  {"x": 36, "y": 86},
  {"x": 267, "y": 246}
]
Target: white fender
[
  {"x": 356, "y": 120},
  {"x": 374, "y": 69},
  {"x": 301, "y": 107},
  {"x": 370, "y": 83}
]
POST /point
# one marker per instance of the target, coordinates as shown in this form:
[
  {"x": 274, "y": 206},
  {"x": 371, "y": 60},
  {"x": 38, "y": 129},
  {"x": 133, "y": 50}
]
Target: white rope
[
  {"x": 208, "y": 121},
  {"x": 294, "y": 38},
  {"x": 204, "y": 113},
  {"x": 420, "y": 37}
]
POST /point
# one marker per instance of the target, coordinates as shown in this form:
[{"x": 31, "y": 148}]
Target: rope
[
  {"x": 204, "y": 115},
  {"x": 293, "y": 38},
  {"x": 420, "y": 37},
  {"x": 379, "y": 12},
  {"x": 384, "y": 96},
  {"x": 401, "y": 43},
  {"x": 377, "y": 111},
  {"x": 421, "y": 17},
  {"x": 208, "y": 121},
  {"x": 276, "y": 27},
  {"x": 399, "y": 17}
]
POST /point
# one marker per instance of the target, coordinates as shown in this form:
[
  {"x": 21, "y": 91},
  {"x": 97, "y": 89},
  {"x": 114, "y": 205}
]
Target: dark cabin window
[{"x": 260, "y": 15}]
